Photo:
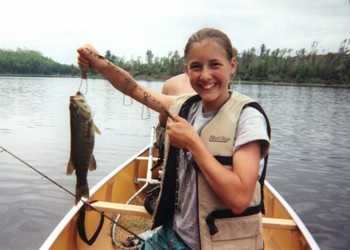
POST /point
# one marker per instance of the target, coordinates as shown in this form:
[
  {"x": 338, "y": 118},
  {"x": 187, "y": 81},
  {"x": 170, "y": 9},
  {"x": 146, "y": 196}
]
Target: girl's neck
[{"x": 216, "y": 105}]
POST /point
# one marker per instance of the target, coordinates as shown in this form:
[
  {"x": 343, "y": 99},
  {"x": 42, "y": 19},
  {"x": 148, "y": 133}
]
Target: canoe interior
[
  {"x": 281, "y": 238},
  {"x": 120, "y": 185}
]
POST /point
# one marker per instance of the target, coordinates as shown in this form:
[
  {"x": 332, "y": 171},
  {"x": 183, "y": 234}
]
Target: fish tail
[{"x": 81, "y": 191}]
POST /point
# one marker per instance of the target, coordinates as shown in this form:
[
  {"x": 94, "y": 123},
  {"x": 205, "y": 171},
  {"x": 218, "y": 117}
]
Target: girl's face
[{"x": 209, "y": 71}]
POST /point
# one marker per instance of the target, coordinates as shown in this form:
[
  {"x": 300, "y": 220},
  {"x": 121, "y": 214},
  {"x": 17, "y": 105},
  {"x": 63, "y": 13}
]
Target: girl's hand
[
  {"x": 181, "y": 133},
  {"x": 89, "y": 58}
]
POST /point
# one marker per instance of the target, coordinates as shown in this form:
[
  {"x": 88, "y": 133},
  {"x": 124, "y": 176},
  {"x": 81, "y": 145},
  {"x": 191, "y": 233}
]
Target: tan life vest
[{"x": 218, "y": 229}]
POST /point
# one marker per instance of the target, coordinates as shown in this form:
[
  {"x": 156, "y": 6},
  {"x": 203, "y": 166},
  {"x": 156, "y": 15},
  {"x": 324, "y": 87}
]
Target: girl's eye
[
  {"x": 215, "y": 64},
  {"x": 195, "y": 67}
]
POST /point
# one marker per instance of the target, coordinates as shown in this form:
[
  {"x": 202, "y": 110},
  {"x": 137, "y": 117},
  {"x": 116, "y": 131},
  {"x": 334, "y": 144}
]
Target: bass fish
[{"x": 82, "y": 130}]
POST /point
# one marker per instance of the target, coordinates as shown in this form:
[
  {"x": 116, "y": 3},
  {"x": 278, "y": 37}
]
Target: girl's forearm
[{"x": 122, "y": 80}]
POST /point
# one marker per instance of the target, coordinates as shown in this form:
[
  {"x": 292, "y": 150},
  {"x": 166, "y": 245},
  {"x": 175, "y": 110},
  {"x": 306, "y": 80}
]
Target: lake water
[{"x": 309, "y": 162}]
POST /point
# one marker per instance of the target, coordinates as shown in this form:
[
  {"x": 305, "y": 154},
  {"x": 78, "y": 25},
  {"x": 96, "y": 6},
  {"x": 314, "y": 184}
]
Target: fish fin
[
  {"x": 95, "y": 128},
  {"x": 81, "y": 191},
  {"x": 92, "y": 165},
  {"x": 70, "y": 166}
]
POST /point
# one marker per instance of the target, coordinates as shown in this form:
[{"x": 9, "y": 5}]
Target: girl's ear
[
  {"x": 233, "y": 65},
  {"x": 185, "y": 67}
]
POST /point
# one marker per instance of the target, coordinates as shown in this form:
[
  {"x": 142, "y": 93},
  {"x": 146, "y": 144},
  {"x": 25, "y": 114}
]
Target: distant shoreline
[
  {"x": 295, "y": 84},
  {"x": 163, "y": 79}
]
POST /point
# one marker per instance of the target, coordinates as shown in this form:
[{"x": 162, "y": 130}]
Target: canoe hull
[{"x": 283, "y": 229}]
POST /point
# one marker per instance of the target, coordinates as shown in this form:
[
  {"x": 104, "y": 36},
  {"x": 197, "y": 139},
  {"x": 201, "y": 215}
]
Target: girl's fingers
[
  {"x": 173, "y": 116},
  {"x": 84, "y": 56},
  {"x": 82, "y": 61}
]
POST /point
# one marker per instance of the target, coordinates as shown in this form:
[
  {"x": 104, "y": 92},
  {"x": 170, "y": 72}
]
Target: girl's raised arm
[{"x": 88, "y": 57}]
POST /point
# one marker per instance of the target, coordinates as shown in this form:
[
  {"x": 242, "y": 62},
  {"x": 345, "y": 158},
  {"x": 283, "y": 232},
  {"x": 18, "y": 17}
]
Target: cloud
[{"x": 129, "y": 29}]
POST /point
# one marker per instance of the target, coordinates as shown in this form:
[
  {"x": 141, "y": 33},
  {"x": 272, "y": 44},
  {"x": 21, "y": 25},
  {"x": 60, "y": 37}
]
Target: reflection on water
[{"x": 309, "y": 161}]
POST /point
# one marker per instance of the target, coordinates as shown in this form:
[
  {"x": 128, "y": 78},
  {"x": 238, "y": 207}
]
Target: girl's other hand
[{"x": 181, "y": 133}]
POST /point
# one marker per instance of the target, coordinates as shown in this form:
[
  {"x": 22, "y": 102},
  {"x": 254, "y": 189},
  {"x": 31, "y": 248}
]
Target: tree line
[
  {"x": 280, "y": 65},
  {"x": 300, "y": 66},
  {"x": 30, "y": 62},
  {"x": 262, "y": 65}
]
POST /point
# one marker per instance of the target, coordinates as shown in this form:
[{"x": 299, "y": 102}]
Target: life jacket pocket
[{"x": 244, "y": 232}]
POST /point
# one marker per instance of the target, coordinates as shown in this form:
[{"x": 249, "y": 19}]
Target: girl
[{"x": 211, "y": 192}]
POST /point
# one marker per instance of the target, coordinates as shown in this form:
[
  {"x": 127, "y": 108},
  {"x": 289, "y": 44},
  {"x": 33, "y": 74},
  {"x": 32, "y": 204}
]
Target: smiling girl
[{"x": 211, "y": 191}]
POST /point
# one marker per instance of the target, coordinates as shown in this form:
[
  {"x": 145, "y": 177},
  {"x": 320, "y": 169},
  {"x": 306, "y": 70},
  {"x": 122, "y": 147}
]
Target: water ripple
[{"x": 308, "y": 165}]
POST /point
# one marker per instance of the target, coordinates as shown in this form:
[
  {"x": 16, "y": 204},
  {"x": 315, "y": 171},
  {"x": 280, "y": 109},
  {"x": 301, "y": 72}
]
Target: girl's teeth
[{"x": 208, "y": 86}]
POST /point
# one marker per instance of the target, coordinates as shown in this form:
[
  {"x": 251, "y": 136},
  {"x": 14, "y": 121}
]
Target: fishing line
[
  {"x": 145, "y": 114},
  {"x": 40, "y": 173},
  {"x": 83, "y": 77},
  {"x": 69, "y": 192}
]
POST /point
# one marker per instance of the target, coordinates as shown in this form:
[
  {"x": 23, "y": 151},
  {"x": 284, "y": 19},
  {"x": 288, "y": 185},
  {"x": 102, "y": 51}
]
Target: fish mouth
[{"x": 78, "y": 95}]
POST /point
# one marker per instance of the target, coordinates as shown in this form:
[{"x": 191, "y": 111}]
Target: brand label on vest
[{"x": 214, "y": 138}]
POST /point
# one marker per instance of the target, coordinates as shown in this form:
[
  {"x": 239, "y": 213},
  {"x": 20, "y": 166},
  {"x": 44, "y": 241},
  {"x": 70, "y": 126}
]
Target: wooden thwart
[
  {"x": 121, "y": 208},
  {"x": 137, "y": 210},
  {"x": 274, "y": 223}
]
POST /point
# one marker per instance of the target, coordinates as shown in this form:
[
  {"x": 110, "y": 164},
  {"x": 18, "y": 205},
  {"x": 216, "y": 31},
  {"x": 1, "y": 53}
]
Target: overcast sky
[{"x": 130, "y": 28}]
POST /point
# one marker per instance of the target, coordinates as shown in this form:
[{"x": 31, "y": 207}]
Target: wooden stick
[
  {"x": 138, "y": 210},
  {"x": 275, "y": 223},
  {"x": 121, "y": 208}
]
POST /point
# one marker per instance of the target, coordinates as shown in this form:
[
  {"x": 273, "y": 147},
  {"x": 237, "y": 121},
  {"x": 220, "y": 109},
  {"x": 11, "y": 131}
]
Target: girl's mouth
[{"x": 207, "y": 86}]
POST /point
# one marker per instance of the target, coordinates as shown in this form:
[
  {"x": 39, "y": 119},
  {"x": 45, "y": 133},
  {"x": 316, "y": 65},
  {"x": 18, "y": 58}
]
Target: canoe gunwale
[{"x": 308, "y": 236}]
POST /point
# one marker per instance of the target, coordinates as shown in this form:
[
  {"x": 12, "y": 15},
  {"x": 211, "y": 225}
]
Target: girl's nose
[{"x": 205, "y": 74}]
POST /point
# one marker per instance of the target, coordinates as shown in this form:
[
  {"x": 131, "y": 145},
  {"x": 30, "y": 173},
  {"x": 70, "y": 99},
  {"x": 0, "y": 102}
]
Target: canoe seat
[
  {"x": 121, "y": 208},
  {"x": 276, "y": 223},
  {"x": 138, "y": 210}
]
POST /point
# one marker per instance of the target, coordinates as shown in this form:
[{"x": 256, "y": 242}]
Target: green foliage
[
  {"x": 29, "y": 62},
  {"x": 153, "y": 67},
  {"x": 280, "y": 65}
]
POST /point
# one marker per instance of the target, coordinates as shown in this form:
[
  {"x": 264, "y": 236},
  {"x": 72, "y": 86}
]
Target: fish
[{"x": 82, "y": 129}]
